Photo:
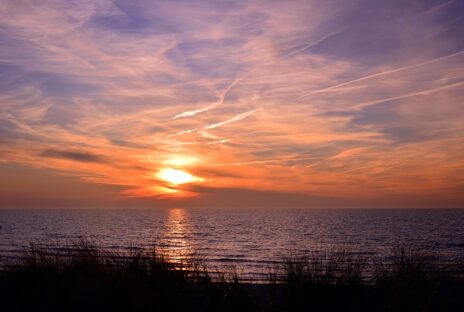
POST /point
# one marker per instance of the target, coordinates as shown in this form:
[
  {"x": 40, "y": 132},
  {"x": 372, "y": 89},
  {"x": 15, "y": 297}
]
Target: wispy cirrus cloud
[{"x": 348, "y": 100}]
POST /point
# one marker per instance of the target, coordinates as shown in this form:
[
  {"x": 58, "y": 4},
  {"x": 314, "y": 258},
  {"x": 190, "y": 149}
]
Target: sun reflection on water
[{"x": 176, "y": 246}]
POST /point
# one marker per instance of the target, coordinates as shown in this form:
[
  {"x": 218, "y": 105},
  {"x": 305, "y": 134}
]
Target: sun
[{"x": 176, "y": 176}]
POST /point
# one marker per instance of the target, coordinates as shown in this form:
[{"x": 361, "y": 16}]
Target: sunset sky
[{"x": 338, "y": 103}]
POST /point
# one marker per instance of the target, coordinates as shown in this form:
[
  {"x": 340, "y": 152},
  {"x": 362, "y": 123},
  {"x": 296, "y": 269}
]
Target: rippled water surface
[{"x": 249, "y": 239}]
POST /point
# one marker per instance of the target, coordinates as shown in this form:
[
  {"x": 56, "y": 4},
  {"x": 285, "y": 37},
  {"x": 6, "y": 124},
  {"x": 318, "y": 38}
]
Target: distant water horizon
[{"x": 252, "y": 240}]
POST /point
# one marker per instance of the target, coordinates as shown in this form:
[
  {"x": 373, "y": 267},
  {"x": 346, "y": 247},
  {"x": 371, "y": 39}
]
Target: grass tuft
[{"x": 82, "y": 277}]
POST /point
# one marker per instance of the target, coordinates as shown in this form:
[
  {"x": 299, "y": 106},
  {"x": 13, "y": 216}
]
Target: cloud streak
[
  {"x": 210, "y": 107},
  {"x": 383, "y": 73},
  {"x": 312, "y": 44},
  {"x": 73, "y": 155},
  {"x": 236, "y": 118},
  {"x": 405, "y": 96}
]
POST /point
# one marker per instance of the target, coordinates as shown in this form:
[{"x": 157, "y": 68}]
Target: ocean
[{"x": 251, "y": 240}]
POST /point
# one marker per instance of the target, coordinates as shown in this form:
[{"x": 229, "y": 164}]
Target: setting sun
[{"x": 175, "y": 176}]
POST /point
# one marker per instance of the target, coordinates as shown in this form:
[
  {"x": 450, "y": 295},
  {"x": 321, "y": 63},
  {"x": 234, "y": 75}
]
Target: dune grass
[
  {"x": 82, "y": 277},
  {"x": 342, "y": 281},
  {"x": 85, "y": 278}
]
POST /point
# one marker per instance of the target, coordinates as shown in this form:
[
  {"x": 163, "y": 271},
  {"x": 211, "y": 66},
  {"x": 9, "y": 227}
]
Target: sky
[{"x": 255, "y": 104}]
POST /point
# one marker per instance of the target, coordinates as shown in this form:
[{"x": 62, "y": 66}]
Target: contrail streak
[
  {"x": 233, "y": 119},
  {"x": 384, "y": 73},
  {"x": 278, "y": 160},
  {"x": 182, "y": 132},
  {"x": 312, "y": 44},
  {"x": 216, "y": 125},
  {"x": 220, "y": 101},
  {"x": 425, "y": 92},
  {"x": 222, "y": 141}
]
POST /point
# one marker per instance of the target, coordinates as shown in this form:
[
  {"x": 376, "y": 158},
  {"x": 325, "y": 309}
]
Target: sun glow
[
  {"x": 176, "y": 176},
  {"x": 180, "y": 160}
]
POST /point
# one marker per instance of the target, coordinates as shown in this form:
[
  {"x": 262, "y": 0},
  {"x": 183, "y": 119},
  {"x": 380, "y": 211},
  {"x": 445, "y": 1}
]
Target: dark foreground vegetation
[{"x": 85, "y": 278}]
